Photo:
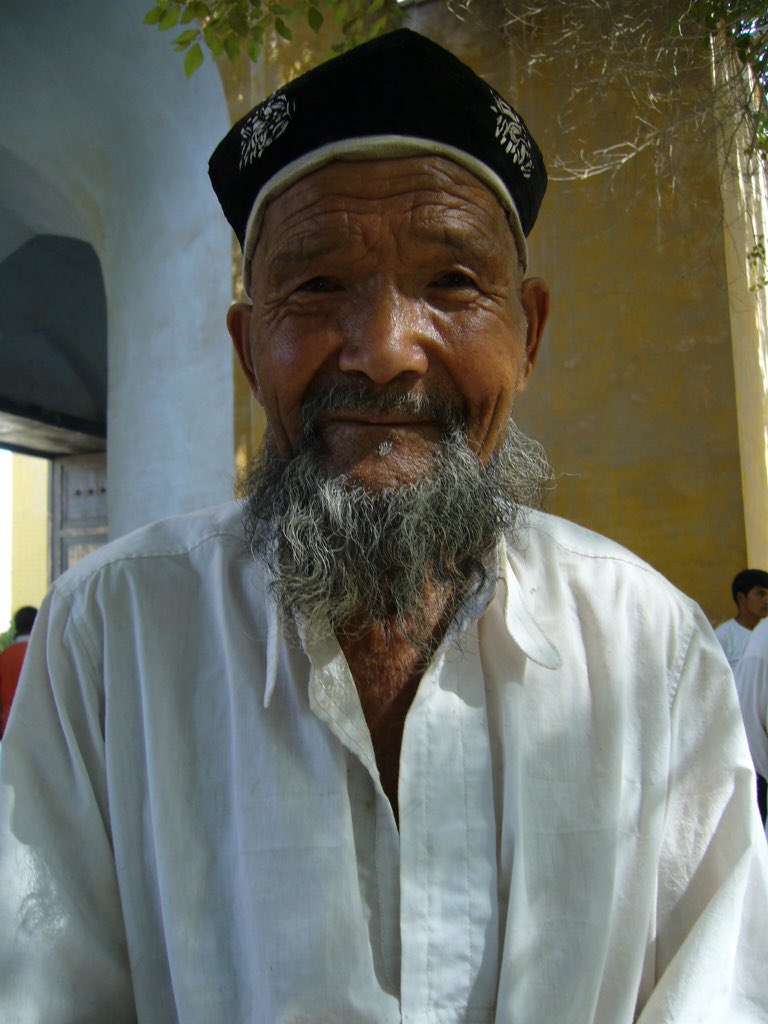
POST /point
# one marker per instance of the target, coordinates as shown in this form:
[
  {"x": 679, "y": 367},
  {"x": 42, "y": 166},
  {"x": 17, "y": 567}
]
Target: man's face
[
  {"x": 401, "y": 275},
  {"x": 754, "y": 603}
]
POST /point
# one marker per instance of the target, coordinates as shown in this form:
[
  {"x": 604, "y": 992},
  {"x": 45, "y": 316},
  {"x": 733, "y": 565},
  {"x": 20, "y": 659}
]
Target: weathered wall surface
[{"x": 634, "y": 393}]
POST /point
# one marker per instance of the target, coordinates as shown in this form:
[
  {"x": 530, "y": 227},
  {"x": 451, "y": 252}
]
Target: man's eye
[
  {"x": 317, "y": 285},
  {"x": 454, "y": 279}
]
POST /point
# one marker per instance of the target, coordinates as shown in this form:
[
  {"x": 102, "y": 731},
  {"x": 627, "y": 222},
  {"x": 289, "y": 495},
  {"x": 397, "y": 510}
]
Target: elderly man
[{"x": 428, "y": 755}]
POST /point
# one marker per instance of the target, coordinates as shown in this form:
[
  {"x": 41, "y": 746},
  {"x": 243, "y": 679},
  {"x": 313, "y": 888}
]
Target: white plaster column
[{"x": 96, "y": 107}]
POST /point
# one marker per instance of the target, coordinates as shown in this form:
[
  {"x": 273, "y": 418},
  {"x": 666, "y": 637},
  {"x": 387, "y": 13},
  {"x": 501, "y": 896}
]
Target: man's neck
[
  {"x": 747, "y": 619},
  {"x": 387, "y": 667}
]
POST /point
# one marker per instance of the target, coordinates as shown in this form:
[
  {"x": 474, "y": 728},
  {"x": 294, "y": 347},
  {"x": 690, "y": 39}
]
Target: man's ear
[
  {"x": 534, "y": 296},
  {"x": 239, "y": 327}
]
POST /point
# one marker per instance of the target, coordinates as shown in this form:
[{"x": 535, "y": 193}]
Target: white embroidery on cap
[
  {"x": 265, "y": 124},
  {"x": 512, "y": 135}
]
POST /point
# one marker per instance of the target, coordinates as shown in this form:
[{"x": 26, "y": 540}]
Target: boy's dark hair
[{"x": 746, "y": 579}]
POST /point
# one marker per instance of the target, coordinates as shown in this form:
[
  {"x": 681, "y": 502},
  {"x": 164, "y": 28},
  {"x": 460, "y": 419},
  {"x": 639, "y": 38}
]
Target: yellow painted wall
[
  {"x": 29, "y": 545},
  {"x": 635, "y": 399},
  {"x": 634, "y": 395}
]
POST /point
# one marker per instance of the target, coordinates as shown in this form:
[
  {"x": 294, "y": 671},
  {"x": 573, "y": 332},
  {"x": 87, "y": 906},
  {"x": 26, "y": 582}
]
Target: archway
[{"x": 106, "y": 144}]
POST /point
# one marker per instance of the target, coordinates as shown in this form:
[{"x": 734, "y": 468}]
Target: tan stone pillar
[{"x": 744, "y": 191}]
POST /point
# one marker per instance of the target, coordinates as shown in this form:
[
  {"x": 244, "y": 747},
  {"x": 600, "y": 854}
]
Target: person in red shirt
[{"x": 11, "y": 660}]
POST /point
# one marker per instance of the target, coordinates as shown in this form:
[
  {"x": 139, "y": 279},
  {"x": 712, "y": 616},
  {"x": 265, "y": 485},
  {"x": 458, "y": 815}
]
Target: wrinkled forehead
[
  {"x": 426, "y": 196},
  {"x": 328, "y": 167}
]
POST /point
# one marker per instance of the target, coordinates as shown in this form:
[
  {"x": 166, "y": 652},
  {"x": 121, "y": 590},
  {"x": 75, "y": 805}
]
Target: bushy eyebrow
[
  {"x": 303, "y": 250},
  {"x": 292, "y": 255},
  {"x": 470, "y": 243}
]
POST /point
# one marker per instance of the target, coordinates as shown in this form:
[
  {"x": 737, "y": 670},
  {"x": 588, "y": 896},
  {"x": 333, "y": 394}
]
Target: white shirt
[
  {"x": 195, "y": 830},
  {"x": 733, "y": 639},
  {"x": 752, "y": 686}
]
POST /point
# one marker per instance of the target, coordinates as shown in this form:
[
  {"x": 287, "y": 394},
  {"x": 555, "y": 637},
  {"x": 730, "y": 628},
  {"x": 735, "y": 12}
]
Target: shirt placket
[
  {"x": 334, "y": 699},
  {"x": 449, "y": 925}
]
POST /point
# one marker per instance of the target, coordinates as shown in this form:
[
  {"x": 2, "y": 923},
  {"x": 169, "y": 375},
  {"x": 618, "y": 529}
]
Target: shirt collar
[{"x": 520, "y": 623}]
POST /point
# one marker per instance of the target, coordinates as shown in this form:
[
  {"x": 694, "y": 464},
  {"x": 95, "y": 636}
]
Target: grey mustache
[{"x": 360, "y": 397}]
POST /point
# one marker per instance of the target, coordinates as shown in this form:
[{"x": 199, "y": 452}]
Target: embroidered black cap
[{"x": 398, "y": 95}]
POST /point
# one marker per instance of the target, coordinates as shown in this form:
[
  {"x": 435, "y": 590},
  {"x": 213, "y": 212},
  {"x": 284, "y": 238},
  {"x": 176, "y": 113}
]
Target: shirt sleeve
[
  {"x": 709, "y": 934},
  {"x": 62, "y": 942},
  {"x": 752, "y": 687}
]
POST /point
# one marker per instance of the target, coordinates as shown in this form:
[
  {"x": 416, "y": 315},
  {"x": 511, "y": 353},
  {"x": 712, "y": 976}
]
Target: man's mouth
[
  {"x": 359, "y": 418},
  {"x": 381, "y": 431}
]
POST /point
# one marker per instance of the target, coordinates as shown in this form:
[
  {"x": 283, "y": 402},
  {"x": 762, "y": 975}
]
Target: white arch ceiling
[{"x": 105, "y": 141}]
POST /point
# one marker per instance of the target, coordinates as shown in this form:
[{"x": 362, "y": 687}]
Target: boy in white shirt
[{"x": 750, "y": 592}]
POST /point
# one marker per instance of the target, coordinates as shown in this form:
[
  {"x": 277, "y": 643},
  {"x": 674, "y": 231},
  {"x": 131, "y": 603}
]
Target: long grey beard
[{"x": 339, "y": 554}]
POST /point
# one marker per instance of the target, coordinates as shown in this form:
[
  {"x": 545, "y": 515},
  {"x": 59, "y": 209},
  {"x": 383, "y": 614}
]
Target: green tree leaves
[
  {"x": 226, "y": 28},
  {"x": 743, "y": 26},
  {"x": 193, "y": 59}
]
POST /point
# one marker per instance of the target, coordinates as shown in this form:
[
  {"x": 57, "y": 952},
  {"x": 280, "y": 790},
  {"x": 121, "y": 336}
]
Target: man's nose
[{"x": 385, "y": 337}]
